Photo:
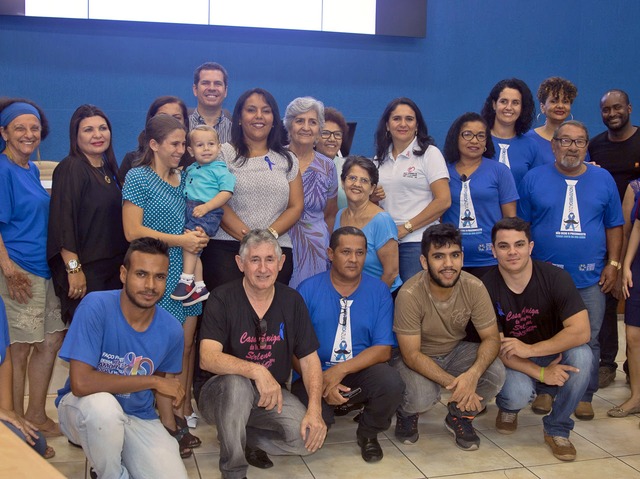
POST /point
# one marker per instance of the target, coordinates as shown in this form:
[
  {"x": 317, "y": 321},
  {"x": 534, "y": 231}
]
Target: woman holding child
[
  {"x": 268, "y": 190},
  {"x": 154, "y": 205}
]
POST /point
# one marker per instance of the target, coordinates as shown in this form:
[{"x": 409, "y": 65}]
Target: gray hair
[
  {"x": 577, "y": 123},
  {"x": 302, "y": 105},
  {"x": 256, "y": 237}
]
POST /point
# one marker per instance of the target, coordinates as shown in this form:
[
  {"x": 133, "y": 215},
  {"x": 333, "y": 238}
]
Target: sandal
[
  {"x": 191, "y": 440},
  {"x": 49, "y": 452},
  {"x": 619, "y": 412},
  {"x": 178, "y": 435},
  {"x": 49, "y": 428}
]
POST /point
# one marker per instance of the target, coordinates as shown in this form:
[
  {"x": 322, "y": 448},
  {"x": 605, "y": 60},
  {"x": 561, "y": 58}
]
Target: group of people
[{"x": 416, "y": 270}]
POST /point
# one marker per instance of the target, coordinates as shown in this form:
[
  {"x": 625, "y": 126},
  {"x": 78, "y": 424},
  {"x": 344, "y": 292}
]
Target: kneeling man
[
  {"x": 432, "y": 311},
  {"x": 352, "y": 314},
  {"x": 545, "y": 329},
  {"x": 251, "y": 329},
  {"x": 122, "y": 349}
]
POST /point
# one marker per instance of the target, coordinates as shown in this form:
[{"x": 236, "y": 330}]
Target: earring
[
  {"x": 485, "y": 149},
  {"x": 571, "y": 116}
]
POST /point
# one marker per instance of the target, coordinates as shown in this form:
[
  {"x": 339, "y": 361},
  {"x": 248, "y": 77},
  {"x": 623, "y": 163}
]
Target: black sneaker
[
  {"x": 407, "y": 428},
  {"x": 463, "y": 431}
]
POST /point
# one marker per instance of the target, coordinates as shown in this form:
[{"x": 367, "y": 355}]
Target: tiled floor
[{"x": 607, "y": 448}]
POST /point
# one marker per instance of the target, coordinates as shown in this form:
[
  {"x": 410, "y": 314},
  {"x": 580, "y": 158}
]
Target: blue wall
[{"x": 470, "y": 45}]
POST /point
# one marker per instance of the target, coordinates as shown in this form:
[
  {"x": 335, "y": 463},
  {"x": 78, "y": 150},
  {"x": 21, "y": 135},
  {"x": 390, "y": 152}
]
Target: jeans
[
  {"x": 231, "y": 403},
  {"x": 409, "y": 260},
  {"x": 594, "y": 300},
  {"x": 118, "y": 445},
  {"x": 608, "y": 336},
  {"x": 520, "y": 389},
  {"x": 421, "y": 394},
  {"x": 382, "y": 390},
  {"x": 40, "y": 444}
]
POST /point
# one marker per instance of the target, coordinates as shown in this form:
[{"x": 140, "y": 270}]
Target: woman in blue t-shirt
[
  {"x": 509, "y": 111},
  {"x": 482, "y": 190}
]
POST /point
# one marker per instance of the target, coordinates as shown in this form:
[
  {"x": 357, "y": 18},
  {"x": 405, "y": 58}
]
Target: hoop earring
[
  {"x": 571, "y": 116},
  {"x": 485, "y": 149},
  {"x": 538, "y": 117}
]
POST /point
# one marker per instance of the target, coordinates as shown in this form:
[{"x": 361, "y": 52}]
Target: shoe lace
[
  {"x": 509, "y": 417},
  {"x": 408, "y": 423},
  {"x": 463, "y": 426},
  {"x": 562, "y": 441}
]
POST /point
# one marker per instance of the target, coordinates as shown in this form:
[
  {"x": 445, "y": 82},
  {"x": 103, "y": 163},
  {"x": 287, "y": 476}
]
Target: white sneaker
[{"x": 192, "y": 421}]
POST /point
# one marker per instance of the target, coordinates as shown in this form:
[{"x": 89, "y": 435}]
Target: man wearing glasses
[
  {"x": 576, "y": 223},
  {"x": 251, "y": 329},
  {"x": 352, "y": 314}
]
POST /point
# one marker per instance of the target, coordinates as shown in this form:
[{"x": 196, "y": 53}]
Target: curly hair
[
  {"x": 528, "y": 112},
  {"x": 554, "y": 87}
]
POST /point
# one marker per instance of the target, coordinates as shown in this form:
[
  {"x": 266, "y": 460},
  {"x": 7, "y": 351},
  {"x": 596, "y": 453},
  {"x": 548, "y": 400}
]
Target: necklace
[{"x": 106, "y": 177}]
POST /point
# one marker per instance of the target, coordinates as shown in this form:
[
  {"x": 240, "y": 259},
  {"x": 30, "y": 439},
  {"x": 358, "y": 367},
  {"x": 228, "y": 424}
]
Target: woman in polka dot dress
[{"x": 154, "y": 206}]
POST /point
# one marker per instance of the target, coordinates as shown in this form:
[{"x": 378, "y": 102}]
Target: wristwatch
[
  {"x": 615, "y": 264},
  {"x": 73, "y": 266},
  {"x": 274, "y": 233},
  {"x": 408, "y": 226}
]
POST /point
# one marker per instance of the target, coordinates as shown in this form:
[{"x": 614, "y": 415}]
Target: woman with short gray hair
[{"x": 304, "y": 119}]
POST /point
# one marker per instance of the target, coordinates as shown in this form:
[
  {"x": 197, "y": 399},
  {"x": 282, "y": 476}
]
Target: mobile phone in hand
[{"x": 350, "y": 394}]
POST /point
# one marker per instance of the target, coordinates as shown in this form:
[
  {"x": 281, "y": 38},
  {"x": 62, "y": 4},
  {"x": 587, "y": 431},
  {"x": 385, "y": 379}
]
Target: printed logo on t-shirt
[
  {"x": 342, "y": 343},
  {"x": 570, "y": 226},
  {"x": 504, "y": 156},
  {"x": 410, "y": 173},
  {"x": 261, "y": 349},
  {"x": 468, "y": 223},
  {"x": 128, "y": 365},
  {"x": 522, "y": 323}
]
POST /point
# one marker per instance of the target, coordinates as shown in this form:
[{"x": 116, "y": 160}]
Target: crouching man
[
  {"x": 121, "y": 349},
  {"x": 545, "y": 329},
  {"x": 251, "y": 329}
]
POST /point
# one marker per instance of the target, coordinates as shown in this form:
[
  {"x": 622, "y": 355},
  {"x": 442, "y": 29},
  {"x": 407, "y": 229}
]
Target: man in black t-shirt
[
  {"x": 617, "y": 150},
  {"x": 545, "y": 328},
  {"x": 250, "y": 331}
]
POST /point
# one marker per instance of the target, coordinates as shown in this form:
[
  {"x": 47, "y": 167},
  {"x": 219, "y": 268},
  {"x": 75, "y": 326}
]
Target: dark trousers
[
  {"x": 382, "y": 390},
  {"x": 608, "y": 336}
]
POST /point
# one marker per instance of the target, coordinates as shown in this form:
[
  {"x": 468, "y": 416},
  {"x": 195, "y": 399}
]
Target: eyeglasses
[
  {"x": 355, "y": 179},
  {"x": 468, "y": 136},
  {"x": 261, "y": 333},
  {"x": 343, "y": 312},
  {"x": 326, "y": 134},
  {"x": 566, "y": 142}
]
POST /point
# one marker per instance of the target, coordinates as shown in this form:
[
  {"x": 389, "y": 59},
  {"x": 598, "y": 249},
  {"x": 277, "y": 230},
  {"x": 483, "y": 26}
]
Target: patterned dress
[
  {"x": 310, "y": 235},
  {"x": 164, "y": 209}
]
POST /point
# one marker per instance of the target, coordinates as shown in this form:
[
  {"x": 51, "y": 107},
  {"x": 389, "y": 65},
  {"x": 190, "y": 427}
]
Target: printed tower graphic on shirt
[
  {"x": 467, "y": 211},
  {"x": 571, "y": 212},
  {"x": 342, "y": 345},
  {"x": 504, "y": 156}
]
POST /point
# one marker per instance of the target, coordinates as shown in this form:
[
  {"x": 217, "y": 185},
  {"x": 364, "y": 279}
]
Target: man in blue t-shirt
[
  {"x": 122, "y": 349},
  {"x": 545, "y": 328},
  {"x": 352, "y": 314},
  {"x": 576, "y": 223}
]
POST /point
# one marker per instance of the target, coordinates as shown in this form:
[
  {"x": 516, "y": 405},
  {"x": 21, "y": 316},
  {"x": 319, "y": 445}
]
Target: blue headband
[{"x": 13, "y": 111}]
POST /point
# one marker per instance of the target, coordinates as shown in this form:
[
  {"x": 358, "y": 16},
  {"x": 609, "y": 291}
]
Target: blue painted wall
[{"x": 470, "y": 45}]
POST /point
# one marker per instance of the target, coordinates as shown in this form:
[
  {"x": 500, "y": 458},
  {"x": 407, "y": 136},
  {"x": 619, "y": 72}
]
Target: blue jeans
[
  {"x": 421, "y": 394},
  {"x": 595, "y": 301},
  {"x": 40, "y": 444},
  {"x": 231, "y": 403},
  {"x": 118, "y": 445},
  {"x": 520, "y": 389},
  {"x": 409, "y": 260}
]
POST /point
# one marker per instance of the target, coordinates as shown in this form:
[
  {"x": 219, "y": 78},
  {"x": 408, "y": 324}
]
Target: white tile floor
[{"x": 607, "y": 448}]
